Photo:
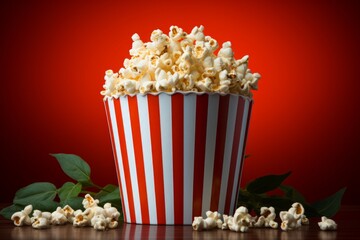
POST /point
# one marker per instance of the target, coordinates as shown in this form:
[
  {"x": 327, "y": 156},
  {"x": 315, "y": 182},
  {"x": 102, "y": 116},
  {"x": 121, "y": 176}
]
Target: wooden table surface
[{"x": 347, "y": 220}]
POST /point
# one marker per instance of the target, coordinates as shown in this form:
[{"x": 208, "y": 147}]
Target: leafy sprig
[
  {"x": 255, "y": 195},
  {"x": 46, "y": 197}
]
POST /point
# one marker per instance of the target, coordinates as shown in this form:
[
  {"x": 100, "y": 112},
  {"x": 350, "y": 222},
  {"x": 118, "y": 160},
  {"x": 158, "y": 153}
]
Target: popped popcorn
[
  {"x": 327, "y": 224},
  {"x": 294, "y": 217},
  {"x": 241, "y": 221},
  {"x": 112, "y": 215},
  {"x": 69, "y": 213},
  {"x": 41, "y": 219},
  {"x": 289, "y": 222},
  {"x": 267, "y": 218},
  {"x": 100, "y": 218},
  {"x": 180, "y": 62},
  {"x": 58, "y": 217},
  {"x": 22, "y": 218},
  {"x": 89, "y": 201},
  {"x": 212, "y": 221},
  {"x": 99, "y": 222},
  {"x": 81, "y": 218}
]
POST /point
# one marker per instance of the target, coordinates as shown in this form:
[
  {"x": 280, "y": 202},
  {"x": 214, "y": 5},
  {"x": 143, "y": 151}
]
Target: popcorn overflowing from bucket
[{"x": 180, "y": 62}]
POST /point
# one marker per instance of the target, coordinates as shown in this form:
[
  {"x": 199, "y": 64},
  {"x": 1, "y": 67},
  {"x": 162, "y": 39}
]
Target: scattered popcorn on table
[
  {"x": 327, "y": 224},
  {"x": 180, "y": 62},
  {"x": 93, "y": 215},
  {"x": 267, "y": 218},
  {"x": 41, "y": 219},
  {"x": 212, "y": 221},
  {"x": 22, "y": 218}
]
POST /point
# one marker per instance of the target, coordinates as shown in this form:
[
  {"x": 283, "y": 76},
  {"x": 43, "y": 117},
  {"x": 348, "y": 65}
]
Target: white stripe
[
  {"x": 166, "y": 145},
  {"x": 189, "y": 145},
  {"x": 119, "y": 157},
  {"x": 212, "y": 118},
  {"x": 131, "y": 156},
  {"x": 148, "y": 161},
  {"x": 233, "y": 102},
  {"x": 240, "y": 154}
]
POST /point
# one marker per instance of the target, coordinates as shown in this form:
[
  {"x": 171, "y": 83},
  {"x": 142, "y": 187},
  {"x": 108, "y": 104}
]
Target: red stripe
[
  {"x": 243, "y": 152},
  {"x": 219, "y": 151},
  {"x": 177, "y": 109},
  {"x": 155, "y": 134},
  {"x": 125, "y": 160},
  {"x": 139, "y": 158},
  {"x": 115, "y": 156},
  {"x": 234, "y": 153},
  {"x": 199, "y": 155}
]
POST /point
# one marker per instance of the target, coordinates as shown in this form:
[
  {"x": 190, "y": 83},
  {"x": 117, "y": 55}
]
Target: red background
[{"x": 306, "y": 113}]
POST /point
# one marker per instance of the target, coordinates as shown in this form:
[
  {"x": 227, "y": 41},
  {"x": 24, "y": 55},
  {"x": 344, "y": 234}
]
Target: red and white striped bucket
[{"x": 178, "y": 155}]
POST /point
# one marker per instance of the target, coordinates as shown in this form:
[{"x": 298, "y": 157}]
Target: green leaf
[
  {"x": 69, "y": 190},
  {"x": 266, "y": 183},
  {"x": 34, "y": 193},
  {"x": 75, "y": 202},
  {"x": 292, "y": 193},
  {"x": 46, "y": 205},
  {"x": 74, "y": 166},
  {"x": 10, "y": 210},
  {"x": 105, "y": 190},
  {"x": 112, "y": 197},
  {"x": 329, "y": 206}
]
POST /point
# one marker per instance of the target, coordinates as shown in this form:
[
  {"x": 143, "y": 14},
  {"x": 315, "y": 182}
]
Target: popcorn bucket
[{"x": 178, "y": 155}]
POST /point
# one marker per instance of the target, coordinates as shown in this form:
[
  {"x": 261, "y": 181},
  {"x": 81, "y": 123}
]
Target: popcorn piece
[
  {"x": 212, "y": 221},
  {"x": 81, "y": 218},
  {"x": 89, "y": 201},
  {"x": 327, "y": 224},
  {"x": 22, "y": 218},
  {"x": 99, "y": 222},
  {"x": 41, "y": 220},
  {"x": 165, "y": 81},
  {"x": 176, "y": 33},
  {"x": 69, "y": 213},
  {"x": 211, "y": 43},
  {"x": 197, "y": 34},
  {"x": 226, "y": 53},
  {"x": 267, "y": 218},
  {"x": 297, "y": 210},
  {"x": 198, "y": 224},
  {"x": 137, "y": 45},
  {"x": 58, "y": 217},
  {"x": 112, "y": 215},
  {"x": 289, "y": 222},
  {"x": 241, "y": 221}
]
